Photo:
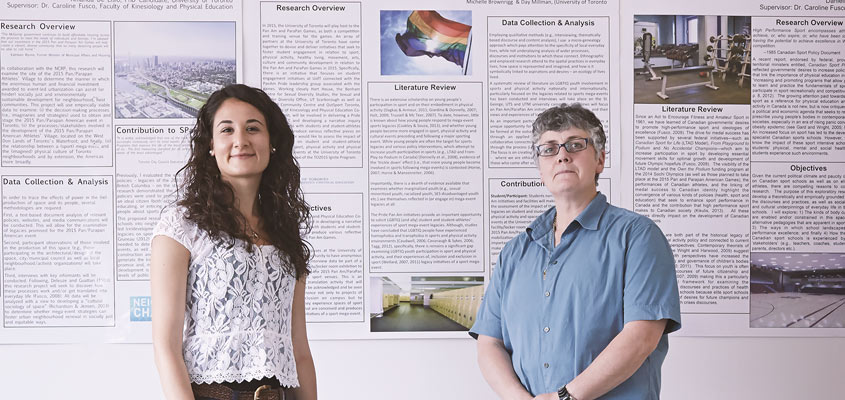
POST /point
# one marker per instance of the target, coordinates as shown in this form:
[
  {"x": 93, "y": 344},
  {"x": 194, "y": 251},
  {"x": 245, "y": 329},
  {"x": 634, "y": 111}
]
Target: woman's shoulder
[
  {"x": 175, "y": 214},
  {"x": 174, "y": 223}
]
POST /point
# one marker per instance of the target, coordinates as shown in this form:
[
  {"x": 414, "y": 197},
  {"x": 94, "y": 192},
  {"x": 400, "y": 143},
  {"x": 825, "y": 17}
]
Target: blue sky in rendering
[{"x": 175, "y": 39}]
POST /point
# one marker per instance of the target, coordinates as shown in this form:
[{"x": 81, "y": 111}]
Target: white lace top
[{"x": 237, "y": 311}]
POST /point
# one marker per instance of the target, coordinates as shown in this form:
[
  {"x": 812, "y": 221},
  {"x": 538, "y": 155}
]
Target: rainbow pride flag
[{"x": 430, "y": 34}]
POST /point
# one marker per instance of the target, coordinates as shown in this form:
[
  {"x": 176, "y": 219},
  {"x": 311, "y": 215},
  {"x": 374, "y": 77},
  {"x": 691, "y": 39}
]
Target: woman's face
[{"x": 241, "y": 141}]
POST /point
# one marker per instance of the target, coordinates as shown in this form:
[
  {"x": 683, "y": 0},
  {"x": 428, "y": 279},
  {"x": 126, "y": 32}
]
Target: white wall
[{"x": 696, "y": 368}]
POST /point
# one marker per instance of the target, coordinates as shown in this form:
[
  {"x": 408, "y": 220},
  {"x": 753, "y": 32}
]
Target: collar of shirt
[{"x": 588, "y": 219}]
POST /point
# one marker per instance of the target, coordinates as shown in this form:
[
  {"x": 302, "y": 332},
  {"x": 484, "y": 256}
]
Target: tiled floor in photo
[
  {"x": 797, "y": 310},
  {"x": 406, "y": 318}
]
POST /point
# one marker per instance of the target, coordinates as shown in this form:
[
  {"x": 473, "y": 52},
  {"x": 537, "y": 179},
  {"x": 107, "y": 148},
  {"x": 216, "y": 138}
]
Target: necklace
[{"x": 251, "y": 233}]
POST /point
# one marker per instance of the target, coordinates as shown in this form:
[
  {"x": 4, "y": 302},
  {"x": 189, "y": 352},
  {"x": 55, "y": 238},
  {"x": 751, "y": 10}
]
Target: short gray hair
[{"x": 563, "y": 117}]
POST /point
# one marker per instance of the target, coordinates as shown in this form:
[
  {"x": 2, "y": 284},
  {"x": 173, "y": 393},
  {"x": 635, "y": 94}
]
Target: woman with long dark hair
[{"x": 229, "y": 262}]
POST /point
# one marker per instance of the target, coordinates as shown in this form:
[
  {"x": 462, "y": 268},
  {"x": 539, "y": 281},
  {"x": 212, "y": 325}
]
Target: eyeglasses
[{"x": 571, "y": 146}]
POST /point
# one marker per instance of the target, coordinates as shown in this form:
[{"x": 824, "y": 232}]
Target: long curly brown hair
[{"x": 209, "y": 201}]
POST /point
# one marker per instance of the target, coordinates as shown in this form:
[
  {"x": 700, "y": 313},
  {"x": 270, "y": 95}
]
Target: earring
[
  {"x": 272, "y": 150},
  {"x": 211, "y": 153}
]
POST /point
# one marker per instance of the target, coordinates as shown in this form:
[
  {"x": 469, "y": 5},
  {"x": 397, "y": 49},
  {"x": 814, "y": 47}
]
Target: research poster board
[{"x": 413, "y": 134}]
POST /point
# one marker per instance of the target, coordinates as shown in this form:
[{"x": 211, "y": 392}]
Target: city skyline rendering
[{"x": 168, "y": 69}]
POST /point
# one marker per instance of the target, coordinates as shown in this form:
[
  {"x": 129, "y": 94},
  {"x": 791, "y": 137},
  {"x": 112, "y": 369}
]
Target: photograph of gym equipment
[
  {"x": 797, "y": 290},
  {"x": 408, "y": 303},
  {"x": 692, "y": 59}
]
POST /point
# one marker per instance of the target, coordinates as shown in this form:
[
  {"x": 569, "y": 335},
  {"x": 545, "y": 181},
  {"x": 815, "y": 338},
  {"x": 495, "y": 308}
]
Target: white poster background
[
  {"x": 131, "y": 296},
  {"x": 137, "y": 157}
]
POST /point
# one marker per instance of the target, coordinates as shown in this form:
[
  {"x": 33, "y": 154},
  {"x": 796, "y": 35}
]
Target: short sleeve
[
  {"x": 174, "y": 225},
  {"x": 651, "y": 286},
  {"x": 488, "y": 321}
]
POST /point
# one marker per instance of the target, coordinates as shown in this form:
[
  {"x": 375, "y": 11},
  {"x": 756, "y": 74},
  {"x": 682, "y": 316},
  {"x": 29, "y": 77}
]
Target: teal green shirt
[{"x": 612, "y": 266}]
